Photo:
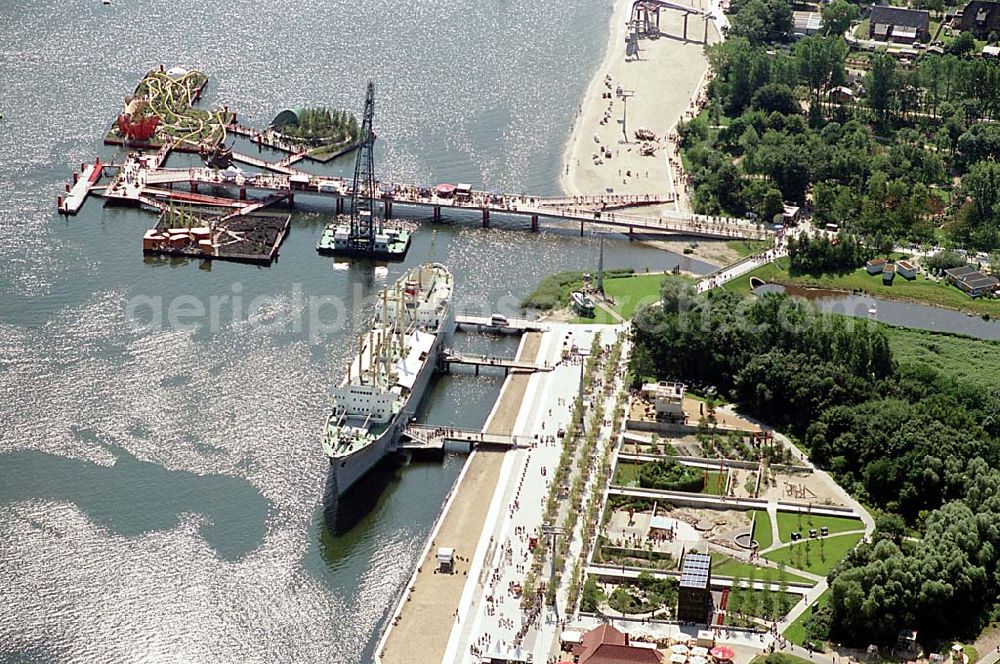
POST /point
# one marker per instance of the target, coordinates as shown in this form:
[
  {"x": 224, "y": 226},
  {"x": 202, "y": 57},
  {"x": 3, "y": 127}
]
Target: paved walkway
[
  {"x": 429, "y": 610},
  {"x": 739, "y": 268},
  {"x": 992, "y": 657},
  {"x": 489, "y": 613},
  {"x": 846, "y": 499}
]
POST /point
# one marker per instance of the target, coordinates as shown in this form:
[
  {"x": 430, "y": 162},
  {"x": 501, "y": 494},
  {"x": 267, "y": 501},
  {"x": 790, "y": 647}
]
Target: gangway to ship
[
  {"x": 427, "y": 437},
  {"x": 450, "y": 357},
  {"x": 487, "y": 323}
]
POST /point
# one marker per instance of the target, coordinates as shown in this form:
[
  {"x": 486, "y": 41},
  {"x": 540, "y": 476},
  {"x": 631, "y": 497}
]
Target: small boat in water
[{"x": 582, "y": 303}]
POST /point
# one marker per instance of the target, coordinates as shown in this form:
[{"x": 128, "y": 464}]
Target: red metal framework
[{"x": 141, "y": 129}]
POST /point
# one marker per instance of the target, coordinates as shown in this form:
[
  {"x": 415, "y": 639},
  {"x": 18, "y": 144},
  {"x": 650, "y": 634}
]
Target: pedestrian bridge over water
[
  {"x": 427, "y": 437},
  {"x": 149, "y": 183}
]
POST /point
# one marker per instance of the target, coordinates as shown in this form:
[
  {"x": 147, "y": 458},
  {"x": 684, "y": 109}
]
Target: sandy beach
[{"x": 664, "y": 79}]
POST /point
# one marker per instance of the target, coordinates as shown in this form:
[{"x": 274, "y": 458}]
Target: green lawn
[
  {"x": 861, "y": 32},
  {"x": 715, "y": 482},
  {"x": 961, "y": 358},
  {"x": 790, "y": 521},
  {"x": 601, "y": 317},
  {"x": 626, "y": 474},
  {"x": 779, "y": 658},
  {"x": 817, "y": 556},
  {"x": 920, "y": 290},
  {"x": 796, "y": 632},
  {"x": 746, "y": 247},
  {"x": 762, "y": 529},
  {"x": 630, "y": 293},
  {"x": 553, "y": 290},
  {"x": 723, "y": 565}
]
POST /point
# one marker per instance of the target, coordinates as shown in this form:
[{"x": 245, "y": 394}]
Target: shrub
[{"x": 668, "y": 475}]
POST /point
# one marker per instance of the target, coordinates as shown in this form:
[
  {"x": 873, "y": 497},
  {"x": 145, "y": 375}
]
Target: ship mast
[
  {"x": 401, "y": 327},
  {"x": 385, "y": 345}
]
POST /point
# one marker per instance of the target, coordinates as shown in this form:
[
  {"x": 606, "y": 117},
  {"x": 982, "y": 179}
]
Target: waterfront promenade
[
  {"x": 492, "y": 538},
  {"x": 493, "y": 621},
  {"x": 424, "y": 616}
]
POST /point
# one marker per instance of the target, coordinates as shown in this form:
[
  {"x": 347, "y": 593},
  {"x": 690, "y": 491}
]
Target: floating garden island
[
  {"x": 163, "y": 108},
  {"x": 322, "y": 133}
]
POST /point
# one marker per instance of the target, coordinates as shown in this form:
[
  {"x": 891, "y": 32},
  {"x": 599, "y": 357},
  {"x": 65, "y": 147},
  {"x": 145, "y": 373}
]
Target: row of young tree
[{"x": 921, "y": 448}]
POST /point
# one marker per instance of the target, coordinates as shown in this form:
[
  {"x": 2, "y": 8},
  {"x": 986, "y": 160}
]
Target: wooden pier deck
[
  {"x": 257, "y": 206},
  {"x": 198, "y": 199},
  {"x": 282, "y": 166},
  {"x": 584, "y": 211},
  {"x": 83, "y": 184}
]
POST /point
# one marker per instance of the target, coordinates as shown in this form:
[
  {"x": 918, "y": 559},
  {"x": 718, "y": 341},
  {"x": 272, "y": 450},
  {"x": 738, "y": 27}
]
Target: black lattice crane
[{"x": 364, "y": 224}]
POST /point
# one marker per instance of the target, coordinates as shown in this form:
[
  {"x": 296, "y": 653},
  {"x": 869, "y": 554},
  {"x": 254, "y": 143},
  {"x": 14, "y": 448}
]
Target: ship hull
[{"x": 346, "y": 471}]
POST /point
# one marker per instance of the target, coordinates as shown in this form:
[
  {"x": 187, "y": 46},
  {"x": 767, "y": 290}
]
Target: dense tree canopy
[
  {"x": 892, "y": 161},
  {"x": 669, "y": 475},
  {"x": 838, "y": 16},
  {"x": 920, "y": 447},
  {"x": 819, "y": 254},
  {"x": 761, "y": 21}
]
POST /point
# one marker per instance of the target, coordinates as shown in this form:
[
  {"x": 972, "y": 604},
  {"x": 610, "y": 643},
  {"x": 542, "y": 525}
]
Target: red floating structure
[{"x": 140, "y": 129}]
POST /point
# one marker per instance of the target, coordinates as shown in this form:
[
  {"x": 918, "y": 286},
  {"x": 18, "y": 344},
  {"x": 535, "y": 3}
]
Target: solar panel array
[{"x": 696, "y": 570}]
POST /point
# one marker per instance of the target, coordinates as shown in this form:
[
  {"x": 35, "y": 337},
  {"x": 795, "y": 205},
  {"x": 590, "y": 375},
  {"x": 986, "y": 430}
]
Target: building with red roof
[{"x": 606, "y": 645}]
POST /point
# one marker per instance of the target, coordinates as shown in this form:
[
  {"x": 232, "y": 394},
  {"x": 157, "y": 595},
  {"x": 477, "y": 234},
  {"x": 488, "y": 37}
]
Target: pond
[{"x": 891, "y": 312}]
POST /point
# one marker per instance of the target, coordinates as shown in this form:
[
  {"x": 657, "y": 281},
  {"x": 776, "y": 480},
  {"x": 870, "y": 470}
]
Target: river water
[
  {"x": 161, "y": 475},
  {"x": 893, "y": 312}
]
